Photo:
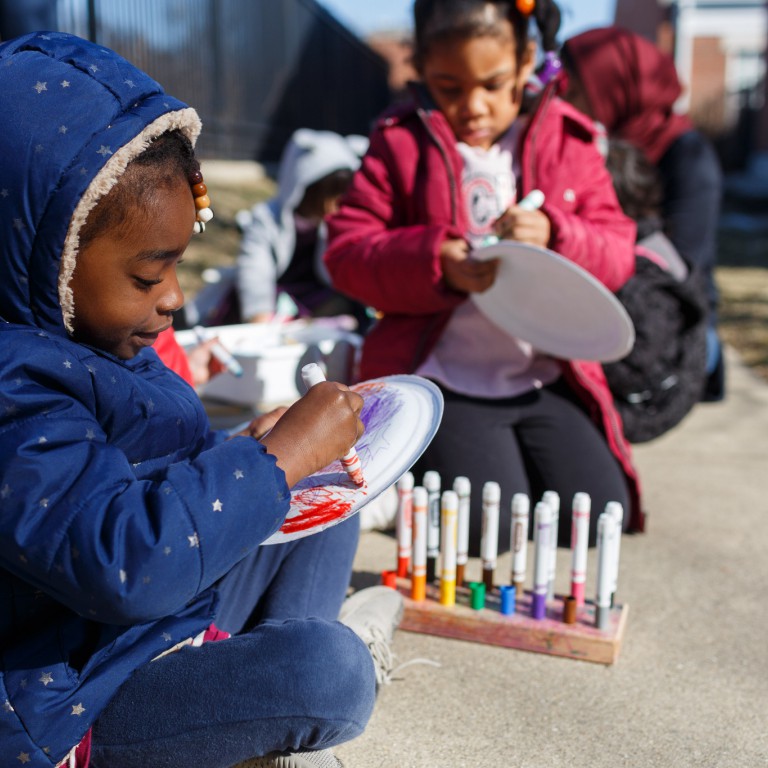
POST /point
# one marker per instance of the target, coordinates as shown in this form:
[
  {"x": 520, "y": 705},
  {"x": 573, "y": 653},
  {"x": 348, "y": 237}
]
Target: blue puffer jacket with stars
[{"x": 119, "y": 508}]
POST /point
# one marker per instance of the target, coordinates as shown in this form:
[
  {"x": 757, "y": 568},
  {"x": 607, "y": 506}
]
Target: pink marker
[
  {"x": 312, "y": 374},
  {"x": 579, "y": 545},
  {"x": 404, "y": 523}
]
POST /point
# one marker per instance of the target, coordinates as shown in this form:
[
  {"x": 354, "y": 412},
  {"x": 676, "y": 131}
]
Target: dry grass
[
  {"x": 742, "y": 278},
  {"x": 743, "y": 282}
]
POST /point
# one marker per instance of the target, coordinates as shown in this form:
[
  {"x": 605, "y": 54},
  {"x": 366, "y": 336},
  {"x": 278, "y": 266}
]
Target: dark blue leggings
[
  {"x": 293, "y": 677},
  {"x": 539, "y": 441}
]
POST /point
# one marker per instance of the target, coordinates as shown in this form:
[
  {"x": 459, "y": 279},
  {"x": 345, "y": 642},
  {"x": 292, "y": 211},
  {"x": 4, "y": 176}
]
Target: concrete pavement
[{"x": 690, "y": 687}]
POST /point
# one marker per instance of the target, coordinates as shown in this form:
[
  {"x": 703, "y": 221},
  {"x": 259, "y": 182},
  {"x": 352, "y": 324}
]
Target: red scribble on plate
[{"x": 321, "y": 513}]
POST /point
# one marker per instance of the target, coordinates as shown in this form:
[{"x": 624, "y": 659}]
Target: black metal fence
[{"x": 254, "y": 69}]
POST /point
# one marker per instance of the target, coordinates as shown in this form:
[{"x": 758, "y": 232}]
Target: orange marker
[
  {"x": 404, "y": 523},
  {"x": 312, "y": 374},
  {"x": 419, "y": 556},
  {"x": 449, "y": 520}
]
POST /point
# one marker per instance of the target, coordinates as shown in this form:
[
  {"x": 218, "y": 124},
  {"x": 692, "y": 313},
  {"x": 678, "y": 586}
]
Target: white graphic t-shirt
[{"x": 473, "y": 356}]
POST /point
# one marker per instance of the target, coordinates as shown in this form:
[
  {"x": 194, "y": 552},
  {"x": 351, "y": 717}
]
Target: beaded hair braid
[{"x": 202, "y": 201}]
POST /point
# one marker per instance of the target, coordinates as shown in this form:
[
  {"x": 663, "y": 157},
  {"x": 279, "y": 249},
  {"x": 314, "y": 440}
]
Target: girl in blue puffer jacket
[{"x": 126, "y": 525}]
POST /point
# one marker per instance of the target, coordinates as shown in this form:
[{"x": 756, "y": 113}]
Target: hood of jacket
[
  {"x": 311, "y": 155},
  {"x": 74, "y": 115}
]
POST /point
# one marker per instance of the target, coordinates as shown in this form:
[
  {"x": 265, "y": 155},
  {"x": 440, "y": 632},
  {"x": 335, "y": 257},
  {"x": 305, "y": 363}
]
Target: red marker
[
  {"x": 404, "y": 523},
  {"x": 312, "y": 374},
  {"x": 579, "y": 543}
]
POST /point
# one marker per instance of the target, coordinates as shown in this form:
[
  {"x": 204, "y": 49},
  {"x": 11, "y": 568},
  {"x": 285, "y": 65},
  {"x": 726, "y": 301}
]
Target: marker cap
[
  {"x": 462, "y": 485},
  {"x": 508, "y": 597},
  {"x": 389, "y": 579},
  {"x": 431, "y": 480},
  {"x": 419, "y": 496},
  {"x": 477, "y": 598},
  {"x": 569, "y": 610},
  {"x": 521, "y": 504},
  {"x": 491, "y": 492}
]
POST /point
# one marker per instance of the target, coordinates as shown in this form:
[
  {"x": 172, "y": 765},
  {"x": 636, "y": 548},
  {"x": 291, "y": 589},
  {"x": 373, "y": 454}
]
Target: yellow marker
[
  {"x": 449, "y": 523},
  {"x": 419, "y": 553}
]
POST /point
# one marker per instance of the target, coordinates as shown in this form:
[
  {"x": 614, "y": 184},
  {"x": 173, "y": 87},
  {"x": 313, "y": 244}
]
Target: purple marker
[{"x": 542, "y": 533}]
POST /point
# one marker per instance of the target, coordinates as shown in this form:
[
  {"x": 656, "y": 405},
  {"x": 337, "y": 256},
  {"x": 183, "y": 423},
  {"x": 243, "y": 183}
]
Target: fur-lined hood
[{"x": 57, "y": 121}]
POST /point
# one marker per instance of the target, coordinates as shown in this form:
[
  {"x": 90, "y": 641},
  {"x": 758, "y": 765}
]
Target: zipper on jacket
[
  {"x": 544, "y": 98},
  {"x": 424, "y": 117}
]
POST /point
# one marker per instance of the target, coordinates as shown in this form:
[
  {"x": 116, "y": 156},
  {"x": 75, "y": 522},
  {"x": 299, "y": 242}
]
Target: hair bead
[
  {"x": 525, "y": 6},
  {"x": 202, "y": 201}
]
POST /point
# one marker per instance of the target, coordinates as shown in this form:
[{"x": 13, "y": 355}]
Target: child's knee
[{"x": 340, "y": 666}]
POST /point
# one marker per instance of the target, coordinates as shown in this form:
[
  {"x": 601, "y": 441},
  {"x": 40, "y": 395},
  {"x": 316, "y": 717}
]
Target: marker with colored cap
[
  {"x": 477, "y": 595},
  {"x": 518, "y": 544},
  {"x": 431, "y": 482},
  {"x": 463, "y": 489},
  {"x": 508, "y": 595},
  {"x": 531, "y": 202},
  {"x": 221, "y": 353},
  {"x": 449, "y": 514},
  {"x": 579, "y": 545},
  {"x": 312, "y": 374},
  {"x": 606, "y": 552},
  {"x": 419, "y": 556},
  {"x": 553, "y": 499},
  {"x": 542, "y": 532},
  {"x": 489, "y": 539},
  {"x": 404, "y": 523},
  {"x": 615, "y": 509}
]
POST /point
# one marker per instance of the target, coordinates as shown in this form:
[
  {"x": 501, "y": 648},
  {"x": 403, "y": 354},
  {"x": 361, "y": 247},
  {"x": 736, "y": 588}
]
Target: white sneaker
[
  {"x": 380, "y": 514},
  {"x": 322, "y": 758},
  {"x": 374, "y": 614}
]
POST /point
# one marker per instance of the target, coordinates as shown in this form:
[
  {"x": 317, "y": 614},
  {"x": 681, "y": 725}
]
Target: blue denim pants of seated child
[{"x": 290, "y": 677}]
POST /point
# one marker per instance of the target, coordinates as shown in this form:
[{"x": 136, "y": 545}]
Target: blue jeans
[{"x": 291, "y": 678}]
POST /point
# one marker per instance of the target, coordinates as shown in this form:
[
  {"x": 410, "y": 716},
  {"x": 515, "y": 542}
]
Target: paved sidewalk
[{"x": 690, "y": 687}]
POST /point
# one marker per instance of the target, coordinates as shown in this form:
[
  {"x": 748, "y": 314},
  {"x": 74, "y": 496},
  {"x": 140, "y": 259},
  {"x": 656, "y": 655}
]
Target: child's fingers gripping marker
[{"x": 312, "y": 374}]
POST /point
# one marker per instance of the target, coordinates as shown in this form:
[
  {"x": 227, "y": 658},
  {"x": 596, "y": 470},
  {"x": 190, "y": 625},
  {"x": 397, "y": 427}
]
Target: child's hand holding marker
[
  {"x": 317, "y": 429},
  {"x": 312, "y": 375},
  {"x": 463, "y": 273},
  {"x": 219, "y": 352},
  {"x": 523, "y": 222}
]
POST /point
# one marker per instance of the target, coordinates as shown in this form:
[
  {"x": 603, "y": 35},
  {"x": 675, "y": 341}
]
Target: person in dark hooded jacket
[{"x": 127, "y": 526}]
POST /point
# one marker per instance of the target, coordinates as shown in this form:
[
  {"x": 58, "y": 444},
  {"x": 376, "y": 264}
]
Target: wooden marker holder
[{"x": 551, "y": 635}]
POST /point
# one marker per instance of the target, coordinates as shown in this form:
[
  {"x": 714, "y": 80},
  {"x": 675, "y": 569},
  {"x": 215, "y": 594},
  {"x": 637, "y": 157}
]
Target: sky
[{"x": 366, "y": 16}]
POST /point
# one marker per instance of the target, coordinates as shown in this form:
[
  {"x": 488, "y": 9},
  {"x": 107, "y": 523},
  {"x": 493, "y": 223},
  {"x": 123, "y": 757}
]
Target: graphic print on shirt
[{"x": 488, "y": 188}]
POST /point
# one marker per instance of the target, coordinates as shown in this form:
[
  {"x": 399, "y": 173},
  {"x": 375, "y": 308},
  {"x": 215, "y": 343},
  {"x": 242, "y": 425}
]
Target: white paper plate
[
  {"x": 555, "y": 305},
  {"x": 401, "y": 415}
]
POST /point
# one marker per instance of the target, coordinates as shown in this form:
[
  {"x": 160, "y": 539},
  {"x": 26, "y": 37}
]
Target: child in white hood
[{"x": 284, "y": 239}]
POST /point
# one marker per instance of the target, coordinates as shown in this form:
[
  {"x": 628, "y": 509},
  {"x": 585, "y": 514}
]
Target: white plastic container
[{"x": 272, "y": 356}]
